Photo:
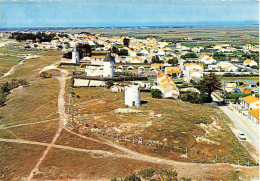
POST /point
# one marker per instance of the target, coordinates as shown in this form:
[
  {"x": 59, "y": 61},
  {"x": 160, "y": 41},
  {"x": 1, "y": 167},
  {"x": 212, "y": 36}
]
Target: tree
[
  {"x": 126, "y": 42},
  {"x": 156, "y": 93},
  {"x": 173, "y": 61},
  {"x": 189, "y": 55},
  {"x": 84, "y": 50},
  {"x": 123, "y": 52},
  {"x": 115, "y": 50},
  {"x": 208, "y": 84},
  {"x": 155, "y": 59}
]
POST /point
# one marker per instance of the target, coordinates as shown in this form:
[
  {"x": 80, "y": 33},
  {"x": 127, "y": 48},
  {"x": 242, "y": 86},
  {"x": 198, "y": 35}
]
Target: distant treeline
[{"x": 38, "y": 37}]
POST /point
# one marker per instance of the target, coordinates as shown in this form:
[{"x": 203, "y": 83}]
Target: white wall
[{"x": 88, "y": 83}]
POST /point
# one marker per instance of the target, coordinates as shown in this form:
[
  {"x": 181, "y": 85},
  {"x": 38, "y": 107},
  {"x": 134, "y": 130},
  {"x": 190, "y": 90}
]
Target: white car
[{"x": 242, "y": 136}]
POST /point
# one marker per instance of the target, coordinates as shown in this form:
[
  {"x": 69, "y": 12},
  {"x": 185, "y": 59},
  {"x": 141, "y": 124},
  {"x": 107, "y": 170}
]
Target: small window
[{"x": 133, "y": 103}]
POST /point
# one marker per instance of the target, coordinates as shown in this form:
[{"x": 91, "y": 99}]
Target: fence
[{"x": 252, "y": 156}]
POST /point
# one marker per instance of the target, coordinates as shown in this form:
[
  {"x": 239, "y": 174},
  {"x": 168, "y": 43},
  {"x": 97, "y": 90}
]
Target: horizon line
[{"x": 127, "y": 26}]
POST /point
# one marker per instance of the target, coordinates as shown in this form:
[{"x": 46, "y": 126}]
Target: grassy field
[
  {"x": 178, "y": 127},
  {"x": 30, "y": 69},
  {"x": 17, "y": 160},
  {"x": 10, "y": 55},
  {"x": 80, "y": 166},
  {"x": 166, "y": 127},
  {"x": 204, "y": 36},
  {"x": 35, "y": 103},
  {"x": 72, "y": 140},
  {"x": 86, "y": 166}
]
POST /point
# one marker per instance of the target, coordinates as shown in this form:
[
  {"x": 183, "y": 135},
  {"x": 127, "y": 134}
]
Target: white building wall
[
  {"x": 88, "y": 83},
  {"x": 253, "y": 119},
  {"x": 132, "y": 96}
]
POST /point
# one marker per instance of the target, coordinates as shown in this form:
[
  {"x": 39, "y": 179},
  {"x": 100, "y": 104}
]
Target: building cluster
[
  {"x": 250, "y": 107},
  {"x": 132, "y": 60}
]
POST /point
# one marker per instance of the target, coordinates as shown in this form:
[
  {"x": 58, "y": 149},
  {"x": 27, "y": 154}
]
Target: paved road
[
  {"x": 242, "y": 125},
  {"x": 248, "y": 68}
]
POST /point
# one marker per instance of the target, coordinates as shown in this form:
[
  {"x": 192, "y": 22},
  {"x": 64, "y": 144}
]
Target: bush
[
  {"x": 132, "y": 177},
  {"x": 194, "y": 98},
  {"x": 109, "y": 83},
  {"x": 156, "y": 93},
  {"x": 46, "y": 75},
  {"x": 2, "y": 99},
  {"x": 149, "y": 174},
  {"x": 146, "y": 173}
]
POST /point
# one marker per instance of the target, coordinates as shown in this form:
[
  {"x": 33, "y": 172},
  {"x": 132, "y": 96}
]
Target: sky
[{"x": 105, "y": 13}]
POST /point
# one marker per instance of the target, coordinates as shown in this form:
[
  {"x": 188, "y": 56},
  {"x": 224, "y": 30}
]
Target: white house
[
  {"x": 253, "y": 115},
  {"x": 249, "y": 62},
  {"x": 250, "y": 102},
  {"x": 167, "y": 86}
]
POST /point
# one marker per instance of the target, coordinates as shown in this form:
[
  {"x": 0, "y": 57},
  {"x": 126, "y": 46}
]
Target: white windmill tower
[
  {"x": 132, "y": 96},
  {"x": 75, "y": 55},
  {"x": 108, "y": 67}
]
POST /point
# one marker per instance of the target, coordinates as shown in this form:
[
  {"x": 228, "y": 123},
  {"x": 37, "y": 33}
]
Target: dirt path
[
  {"x": 181, "y": 167},
  {"x": 62, "y": 121},
  {"x": 13, "y": 68},
  {"x": 146, "y": 158},
  {"x": 19, "y": 125},
  {"x": 21, "y": 141}
]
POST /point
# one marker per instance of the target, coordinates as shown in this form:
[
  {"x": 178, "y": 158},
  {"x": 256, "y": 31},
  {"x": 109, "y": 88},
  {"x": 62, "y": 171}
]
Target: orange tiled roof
[
  {"x": 248, "y": 61},
  {"x": 166, "y": 85},
  {"x": 247, "y": 91},
  {"x": 255, "y": 113},
  {"x": 163, "y": 80},
  {"x": 98, "y": 56},
  {"x": 160, "y": 75},
  {"x": 172, "y": 71},
  {"x": 157, "y": 65},
  {"x": 202, "y": 56},
  {"x": 250, "y": 99}
]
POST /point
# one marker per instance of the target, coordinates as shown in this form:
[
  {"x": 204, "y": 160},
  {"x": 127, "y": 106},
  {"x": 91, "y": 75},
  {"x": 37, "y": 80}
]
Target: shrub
[
  {"x": 132, "y": 177},
  {"x": 146, "y": 173},
  {"x": 109, "y": 83},
  {"x": 156, "y": 93},
  {"x": 194, "y": 98},
  {"x": 46, "y": 75},
  {"x": 2, "y": 99}
]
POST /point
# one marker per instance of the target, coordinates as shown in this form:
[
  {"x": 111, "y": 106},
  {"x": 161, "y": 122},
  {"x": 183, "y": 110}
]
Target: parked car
[{"x": 242, "y": 136}]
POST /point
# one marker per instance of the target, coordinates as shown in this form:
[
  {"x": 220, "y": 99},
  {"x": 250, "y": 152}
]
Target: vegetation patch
[{"x": 17, "y": 160}]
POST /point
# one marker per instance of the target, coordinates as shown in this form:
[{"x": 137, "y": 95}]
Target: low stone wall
[
  {"x": 88, "y": 83},
  {"x": 109, "y": 78}
]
